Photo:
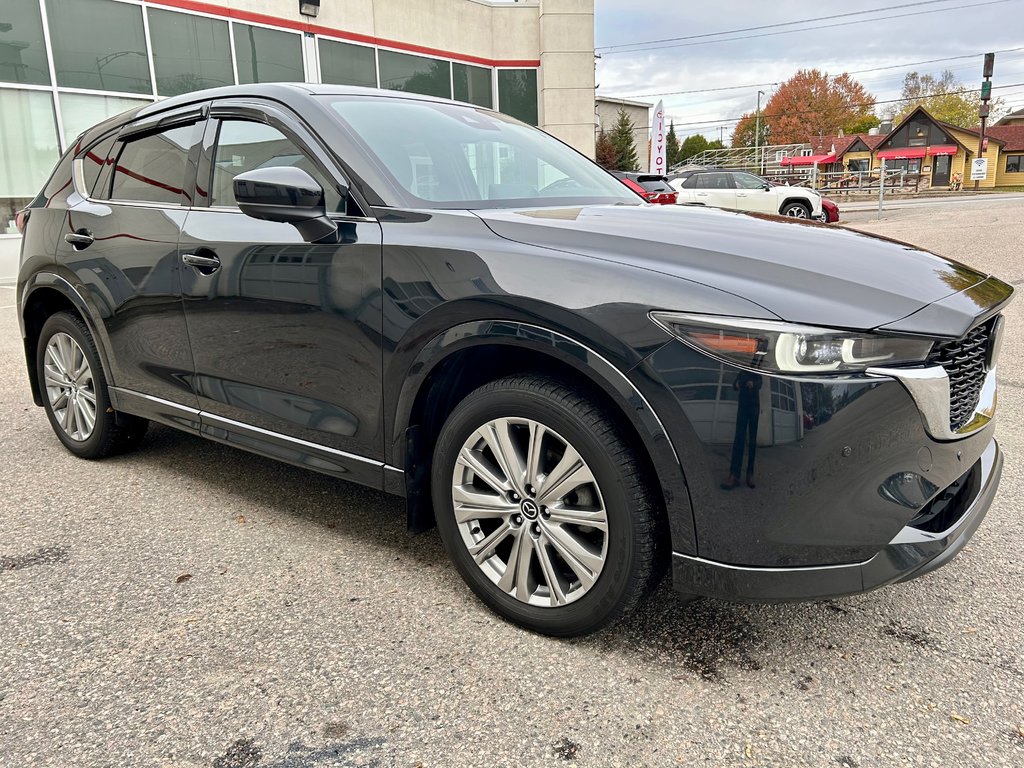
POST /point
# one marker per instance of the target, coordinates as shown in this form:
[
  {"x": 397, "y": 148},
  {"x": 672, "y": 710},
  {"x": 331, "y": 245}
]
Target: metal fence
[
  {"x": 759, "y": 160},
  {"x": 854, "y": 182}
]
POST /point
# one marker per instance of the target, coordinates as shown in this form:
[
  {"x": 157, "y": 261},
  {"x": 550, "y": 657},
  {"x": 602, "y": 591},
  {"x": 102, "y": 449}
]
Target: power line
[
  {"x": 853, "y": 72},
  {"x": 765, "y": 116},
  {"x": 809, "y": 29},
  {"x": 771, "y": 26}
]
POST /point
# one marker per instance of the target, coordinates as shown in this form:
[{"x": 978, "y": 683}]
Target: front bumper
[{"x": 912, "y": 553}]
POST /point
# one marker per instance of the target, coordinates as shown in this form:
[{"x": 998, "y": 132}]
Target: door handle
[
  {"x": 79, "y": 239},
  {"x": 205, "y": 264}
]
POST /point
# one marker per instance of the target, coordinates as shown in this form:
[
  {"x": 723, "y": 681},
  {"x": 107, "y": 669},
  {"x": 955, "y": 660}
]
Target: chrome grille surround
[{"x": 965, "y": 362}]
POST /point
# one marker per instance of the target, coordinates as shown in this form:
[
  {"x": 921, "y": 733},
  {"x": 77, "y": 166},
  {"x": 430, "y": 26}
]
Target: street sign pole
[
  {"x": 986, "y": 93},
  {"x": 881, "y": 187}
]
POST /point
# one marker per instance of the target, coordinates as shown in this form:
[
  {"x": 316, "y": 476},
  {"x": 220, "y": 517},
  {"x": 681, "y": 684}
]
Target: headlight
[{"x": 785, "y": 348}]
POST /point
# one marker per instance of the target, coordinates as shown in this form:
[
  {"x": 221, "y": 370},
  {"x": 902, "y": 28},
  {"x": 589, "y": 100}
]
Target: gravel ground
[{"x": 193, "y": 605}]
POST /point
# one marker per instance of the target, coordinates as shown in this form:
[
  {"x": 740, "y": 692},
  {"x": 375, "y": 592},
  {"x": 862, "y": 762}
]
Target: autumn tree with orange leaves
[{"x": 811, "y": 103}]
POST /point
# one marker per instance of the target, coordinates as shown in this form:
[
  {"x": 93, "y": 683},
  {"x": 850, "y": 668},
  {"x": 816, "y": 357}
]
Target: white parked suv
[{"x": 744, "y": 192}]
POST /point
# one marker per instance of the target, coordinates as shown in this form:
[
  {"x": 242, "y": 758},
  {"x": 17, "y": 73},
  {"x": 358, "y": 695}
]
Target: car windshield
[{"x": 441, "y": 155}]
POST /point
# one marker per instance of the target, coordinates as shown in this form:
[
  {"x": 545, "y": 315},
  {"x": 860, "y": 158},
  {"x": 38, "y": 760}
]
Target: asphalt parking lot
[{"x": 193, "y": 605}]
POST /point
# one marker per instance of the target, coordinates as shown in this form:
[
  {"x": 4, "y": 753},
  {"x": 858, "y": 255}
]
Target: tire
[
  {"x": 617, "y": 559},
  {"x": 796, "y": 210},
  {"x": 86, "y": 424},
  {"x": 823, "y": 218}
]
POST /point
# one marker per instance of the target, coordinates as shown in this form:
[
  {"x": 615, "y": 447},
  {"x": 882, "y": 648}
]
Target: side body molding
[{"x": 602, "y": 373}]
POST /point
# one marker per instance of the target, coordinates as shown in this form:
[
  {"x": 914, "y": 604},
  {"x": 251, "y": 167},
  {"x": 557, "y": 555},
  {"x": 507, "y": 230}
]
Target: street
[{"x": 193, "y": 605}]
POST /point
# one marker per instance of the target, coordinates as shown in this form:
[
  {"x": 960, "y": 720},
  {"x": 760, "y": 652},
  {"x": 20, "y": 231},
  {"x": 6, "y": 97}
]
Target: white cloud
[{"x": 775, "y": 58}]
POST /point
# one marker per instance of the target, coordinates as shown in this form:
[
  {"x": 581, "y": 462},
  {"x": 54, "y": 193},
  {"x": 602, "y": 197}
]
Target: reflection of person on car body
[{"x": 748, "y": 409}]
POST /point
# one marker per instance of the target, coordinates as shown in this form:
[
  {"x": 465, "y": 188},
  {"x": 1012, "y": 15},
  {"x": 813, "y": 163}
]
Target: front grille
[{"x": 964, "y": 361}]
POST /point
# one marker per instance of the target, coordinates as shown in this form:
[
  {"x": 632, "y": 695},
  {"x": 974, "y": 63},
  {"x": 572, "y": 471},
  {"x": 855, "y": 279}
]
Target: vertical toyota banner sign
[{"x": 658, "y": 140}]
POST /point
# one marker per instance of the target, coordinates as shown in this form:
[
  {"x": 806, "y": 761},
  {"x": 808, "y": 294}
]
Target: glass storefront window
[
  {"x": 347, "y": 64},
  {"x": 472, "y": 84},
  {"x": 22, "y": 51},
  {"x": 79, "y": 111},
  {"x": 28, "y": 149},
  {"x": 267, "y": 55},
  {"x": 189, "y": 52},
  {"x": 517, "y": 94},
  {"x": 415, "y": 74},
  {"x": 99, "y": 44}
]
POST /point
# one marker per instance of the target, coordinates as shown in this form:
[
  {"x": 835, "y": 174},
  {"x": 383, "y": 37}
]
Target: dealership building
[{"x": 67, "y": 64}]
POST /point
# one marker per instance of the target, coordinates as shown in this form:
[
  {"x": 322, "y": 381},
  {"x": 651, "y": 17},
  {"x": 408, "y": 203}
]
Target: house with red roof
[{"x": 921, "y": 144}]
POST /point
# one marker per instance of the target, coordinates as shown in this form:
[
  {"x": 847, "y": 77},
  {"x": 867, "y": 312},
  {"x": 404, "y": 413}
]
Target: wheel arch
[
  {"x": 789, "y": 200},
  {"x": 43, "y": 295},
  {"x": 467, "y": 356}
]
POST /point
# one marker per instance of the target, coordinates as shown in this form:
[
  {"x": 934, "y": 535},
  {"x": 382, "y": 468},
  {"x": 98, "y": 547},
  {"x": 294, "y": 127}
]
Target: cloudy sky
[{"x": 937, "y": 29}]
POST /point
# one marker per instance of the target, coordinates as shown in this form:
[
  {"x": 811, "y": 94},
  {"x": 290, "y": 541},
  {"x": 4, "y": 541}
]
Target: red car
[
  {"x": 829, "y": 211},
  {"x": 650, "y": 186}
]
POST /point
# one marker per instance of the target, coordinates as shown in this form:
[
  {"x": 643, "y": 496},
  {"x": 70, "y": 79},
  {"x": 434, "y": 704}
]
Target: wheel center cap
[{"x": 530, "y": 509}]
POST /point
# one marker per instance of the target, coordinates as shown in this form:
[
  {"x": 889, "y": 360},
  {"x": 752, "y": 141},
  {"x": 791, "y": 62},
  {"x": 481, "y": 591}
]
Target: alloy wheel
[
  {"x": 530, "y": 512},
  {"x": 796, "y": 212},
  {"x": 69, "y": 386}
]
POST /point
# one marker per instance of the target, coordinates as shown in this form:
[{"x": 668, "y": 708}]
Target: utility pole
[
  {"x": 986, "y": 94},
  {"x": 757, "y": 132}
]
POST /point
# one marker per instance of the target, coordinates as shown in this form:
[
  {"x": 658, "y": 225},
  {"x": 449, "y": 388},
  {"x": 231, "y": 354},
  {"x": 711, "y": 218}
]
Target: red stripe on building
[{"x": 304, "y": 26}]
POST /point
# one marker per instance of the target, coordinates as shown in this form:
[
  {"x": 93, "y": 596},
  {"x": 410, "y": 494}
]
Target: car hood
[{"x": 802, "y": 272}]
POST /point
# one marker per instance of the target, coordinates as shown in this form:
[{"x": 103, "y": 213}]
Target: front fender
[{"x": 615, "y": 383}]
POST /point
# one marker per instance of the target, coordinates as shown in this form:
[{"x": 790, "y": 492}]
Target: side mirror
[
  {"x": 288, "y": 195},
  {"x": 766, "y": 187}
]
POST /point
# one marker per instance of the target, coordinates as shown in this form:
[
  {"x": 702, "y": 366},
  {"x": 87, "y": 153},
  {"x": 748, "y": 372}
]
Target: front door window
[{"x": 940, "y": 171}]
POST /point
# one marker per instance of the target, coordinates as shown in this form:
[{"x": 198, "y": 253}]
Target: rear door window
[{"x": 152, "y": 168}]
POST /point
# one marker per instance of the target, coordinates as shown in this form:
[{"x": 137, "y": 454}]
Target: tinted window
[
  {"x": 22, "y": 53},
  {"x": 415, "y": 74},
  {"x": 99, "y": 44},
  {"x": 517, "y": 94},
  {"x": 690, "y": 182},
  {"x": 189, "y": 52},
  {"x": 654, "y": 185},
  {"x": 152, "y": 169},
  {"x": 472, "y": 84},
  {"x": 267, "y": 55},
  {"x": 347, "y": 64},
  {"x": 244, "y": 146},
  {"x": 93, "y": 160},
  {"x": 714, "y": 181}
]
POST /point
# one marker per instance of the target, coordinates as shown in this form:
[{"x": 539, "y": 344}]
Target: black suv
[{"x": 581, "y": 390}]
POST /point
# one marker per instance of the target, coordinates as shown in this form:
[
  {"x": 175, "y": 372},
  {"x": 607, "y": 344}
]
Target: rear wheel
[
  {"x": 543, "y": 508},
  {"x": 796, "y": 210},
  {"x": 74, "y": 391}
]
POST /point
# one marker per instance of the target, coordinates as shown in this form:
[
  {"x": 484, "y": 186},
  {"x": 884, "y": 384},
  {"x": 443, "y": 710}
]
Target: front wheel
[
  {"x": 543, "y": 508},
  {"x": 796, "y": 211}
]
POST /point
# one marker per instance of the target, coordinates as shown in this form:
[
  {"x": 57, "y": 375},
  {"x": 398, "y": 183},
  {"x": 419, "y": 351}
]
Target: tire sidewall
[
  {"x": 93, "y": 445},
  {"x": 612, "y": 584},
  {"x": 790, "y": 206}
]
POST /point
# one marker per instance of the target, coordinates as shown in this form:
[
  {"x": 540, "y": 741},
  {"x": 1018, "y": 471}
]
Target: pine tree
[
  {"x": 671, "y": 146},
  {"x": 622, "y": 139}
]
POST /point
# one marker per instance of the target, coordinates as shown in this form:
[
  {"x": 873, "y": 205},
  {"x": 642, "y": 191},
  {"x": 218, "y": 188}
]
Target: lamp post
[{"x": 757, "y": 132}]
